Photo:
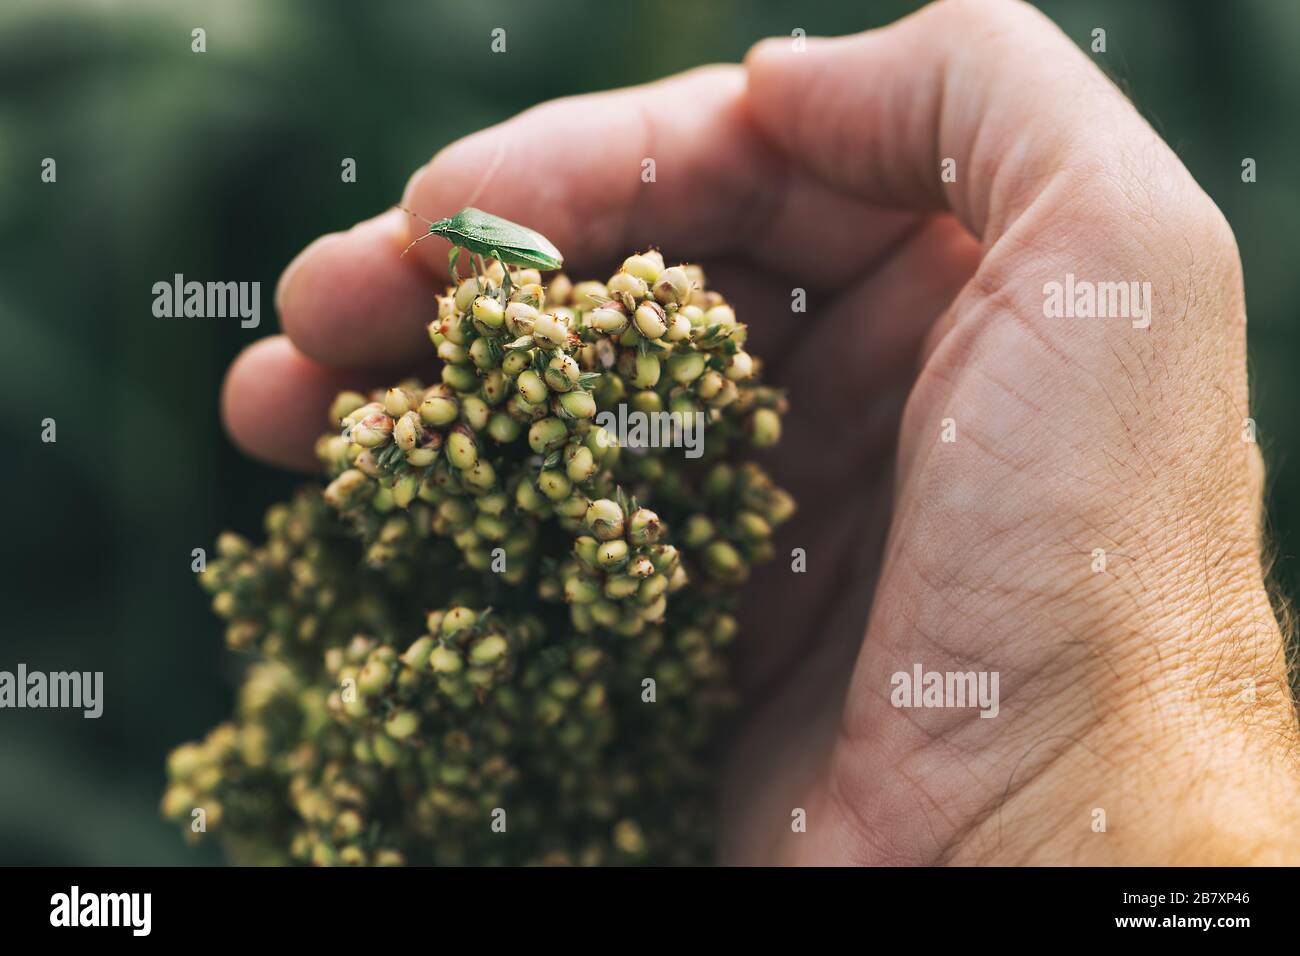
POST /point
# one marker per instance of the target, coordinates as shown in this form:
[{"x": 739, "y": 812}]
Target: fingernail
[{"x": 286, "y": 279}]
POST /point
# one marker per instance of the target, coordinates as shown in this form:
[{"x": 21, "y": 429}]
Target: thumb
[
  {"x": 974, "y": 106},
  {"x": 1071, "y": 434}
]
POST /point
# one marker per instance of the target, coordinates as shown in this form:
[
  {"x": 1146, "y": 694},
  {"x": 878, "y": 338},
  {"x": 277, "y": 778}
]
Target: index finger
[
  {"x": 678, "y": 164},
  {"x": 571, "y": 169}
]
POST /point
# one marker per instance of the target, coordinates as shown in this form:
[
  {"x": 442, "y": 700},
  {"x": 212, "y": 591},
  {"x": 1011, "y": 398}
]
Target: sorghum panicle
[{"x": 491, "y": 607}]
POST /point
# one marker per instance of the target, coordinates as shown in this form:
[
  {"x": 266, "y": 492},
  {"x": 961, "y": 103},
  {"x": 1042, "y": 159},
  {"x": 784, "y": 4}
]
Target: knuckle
[
  {"x": 1219, "y": 233},
  {"x": 1152, "y": 205},
  {"x": 984, "y": 12}
]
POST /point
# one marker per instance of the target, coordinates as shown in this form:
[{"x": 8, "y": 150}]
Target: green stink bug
[{"x": 492, "y": 237}]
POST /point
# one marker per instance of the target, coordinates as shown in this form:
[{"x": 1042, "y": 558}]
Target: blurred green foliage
[{"x": 222, "y": 166}]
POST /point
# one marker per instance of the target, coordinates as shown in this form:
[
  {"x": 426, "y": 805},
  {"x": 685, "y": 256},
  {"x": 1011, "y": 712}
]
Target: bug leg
[
  {"x": 507, "y": 286},
  {"x": 478, "y": 276},
  {"x": 452, "y": 258}
]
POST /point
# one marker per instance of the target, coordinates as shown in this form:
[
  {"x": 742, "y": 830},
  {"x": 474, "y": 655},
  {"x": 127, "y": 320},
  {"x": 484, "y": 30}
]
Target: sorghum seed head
[
  {"x": 503, "y": 428},
  {"x": 480, "y": 475},
  {"x": 345, "y": 404},
  {"x": 398, "y": 401},
  {"x": 682, "y": 405},
  {"x": 641, "y": 567},
  {"x": 445, "y": 720},
  {"x": 574, "y": 506},
  {"x": 462, "y": 449},
  {"x": 495, "y": 386},
  {"x": 588, "y": 549},
  {"x": 562, "y": 373},
  {"x": 439, "y": 406},
  {"x": 625, "y": 284},
  {"x": 408, "y": 430},
  {"x": 489, "y": 312},
  {"x": 605, "y": 519},
  {"x": 373, "y": 431},
  {"x": 602, "y": 442},
  {"x": 652, "y": 588},
  {"x": 644, "y": 527},
  {"x": 483, "y": 354},
  {"x": 529, "y": 293},
  {"x": 577, "y": 404},
  {"x": 726, "y": 395},
  {"x": 488, "y": 649},
  {"x": 620, "y": 586},
  {"x": 752, "y": 526},
  {"x": 453, "y": 354},
  {"x": 589, "y": 294},
  {"x": 555, "y": 485},
  {"x": 373, "y": 677},
  {"x": 740, "y": 366},
  {"x": 647, "y": 402},
  {"x": 628, "y": 838},
  {"x": 417, "y": 655},
  {"x": 646, "y": 371},
  {"x": 679, "y": 328},
  {"x": 402, "y": 724},
  {"x": 709, "y": 384},
  {"x": 780, "y": 507},
  {"x": 606, "y": 354},
  {"x": 349, "y": 489},
  {"x": 231, "y": 545},
  {"x": 404, "y": 490},
  {"x": 697, "y": 532},
  {"x": 612, "y": 555},
  {"x": 457, "y": 619},
  {"x": 578, "y": 590},
  {"x": 764, "y": 428},
  {"x": 530, "y": 499},
  {"x": 722, "y": 559},
  {"x": 651, "y": 320},
  {"x": 609, "y": 318},
  {"x": 643, "y": 267},
  {"x": 445, "y": 660},
  {"x": 516, "y": 361},
  {"x": 581, "y": 466},
  {"x": 466, "y": 293},
  {"x": 672, "y": 287},
  {"x": 664, "y": 556},
  {"x": 720, "y": 314},
  {"x": 686, "y": 367},
  {"x": 560, "y": 290},
  {"x": 520, "y": 318},
  {"x": 462, "y": 378},
  {"x": 547, "y": 434},
  {"x": 475, "y": 412},
  {"x": 549, "y": 331}
]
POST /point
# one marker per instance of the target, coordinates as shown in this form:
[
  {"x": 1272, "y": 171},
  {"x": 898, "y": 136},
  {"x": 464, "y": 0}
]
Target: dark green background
[{"x": 221, "y": 166}]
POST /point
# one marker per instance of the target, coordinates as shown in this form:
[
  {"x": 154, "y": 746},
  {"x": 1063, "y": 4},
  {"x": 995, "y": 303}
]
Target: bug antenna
[
  {"x": 412, "y": 212},
  {"x": 420, "y": 239}
]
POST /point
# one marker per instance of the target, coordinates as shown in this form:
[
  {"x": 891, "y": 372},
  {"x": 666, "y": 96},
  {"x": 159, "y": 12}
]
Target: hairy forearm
[{"x": 1193, "y": 761}]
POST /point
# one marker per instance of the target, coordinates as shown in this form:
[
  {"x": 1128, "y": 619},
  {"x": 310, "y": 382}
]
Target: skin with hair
[{"x": 1155, "y": 690}]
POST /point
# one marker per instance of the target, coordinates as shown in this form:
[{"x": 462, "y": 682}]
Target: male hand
[{"x": 1067, "y": 502}]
